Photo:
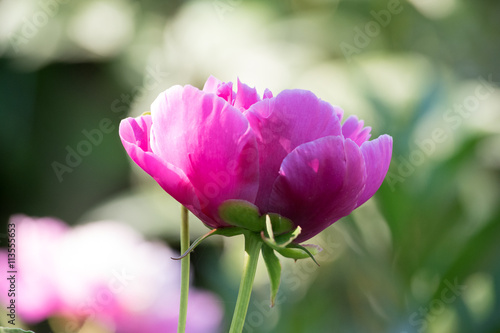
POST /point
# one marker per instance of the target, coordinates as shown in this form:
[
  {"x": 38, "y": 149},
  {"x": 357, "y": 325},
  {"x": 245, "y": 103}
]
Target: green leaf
[
  {"x": 13, "y": 330},
  {"x": 241, "y": 213},
  {"x": 274, "y": 270}
]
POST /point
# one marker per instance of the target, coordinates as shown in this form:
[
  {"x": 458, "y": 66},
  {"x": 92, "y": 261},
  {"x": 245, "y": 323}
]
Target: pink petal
[
  {"x": 245, "y": 96},
  {"x": 212, "y": 84},
  {"x": 353, "y": 129},
  {"x": 103, "y": 270},
  {"x": 319, "y": 182},
  {"x": 283, "y": 123},
  {"x": 377, "y": 155},
  {"x": 226, "y": 92},
  {"x": 221, "y": 89},
  {"x": 267, "y": 94},
  {"x": 338, "y": 111},
  {"x": 205, "y": 312},
  {"x": 37, "y": 240},
  {"x": 210, "y": 141},
  {"x": 135, "y": 136}
]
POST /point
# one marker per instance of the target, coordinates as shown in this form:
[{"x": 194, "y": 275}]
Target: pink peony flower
[
  {"x": 287, "y": 154},
  {"x": 104, "y": 272}
]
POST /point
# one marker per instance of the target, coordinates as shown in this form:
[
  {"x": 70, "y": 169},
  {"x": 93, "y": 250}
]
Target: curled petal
[
  {"x": 226, "y": 92},
  {"x": 135, "y": 136},
  {"x": 219, "y": 88},
  {"x": 283, "y": 123},
  {"x": 377, "y": 155},
  {"x": 267, "y": 94},
  {"x": 353, "y": 129},
  {"x": 245, "y": 96},
  {"x": 211, "y": 142},
  {"x": 318, "y": 183}
]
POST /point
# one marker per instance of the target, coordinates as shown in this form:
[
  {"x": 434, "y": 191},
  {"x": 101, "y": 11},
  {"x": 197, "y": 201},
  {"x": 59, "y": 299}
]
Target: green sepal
[
  {"x": 288, "y": 238},
  {"x": 297, "y": 251},
  {"x": 273, "y": 269},
  {"x": 13, "y": 330},
  {"x": 228, "y": 232},
  {"x": 279, "y": 223},
  {"x": 280, "y": 240},
  {"x": 284, "y": 245},
  {"x": 241, "y": 213}
]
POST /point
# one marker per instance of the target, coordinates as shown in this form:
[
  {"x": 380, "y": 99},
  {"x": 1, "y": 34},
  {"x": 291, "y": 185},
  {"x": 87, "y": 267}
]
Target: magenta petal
[
  {"x": 283, "y": 123},
  {"x": 338, "y": 111},
  {"x": 210, "y": 141},
  {"x": 211, "y": 85},
  {"x": 225, "y": 91},
  {"x": 267, "y": 94},
  {"x": 377, "y": 155},
  {"x": 135, "y": 136},
  {"x": 221, "y": 89},
  {"x": 37, "y": 240},
  {"x": 318, "y": 183},
  {"x": 353, "y": 129},
  {"x": 245, "y": 96}
]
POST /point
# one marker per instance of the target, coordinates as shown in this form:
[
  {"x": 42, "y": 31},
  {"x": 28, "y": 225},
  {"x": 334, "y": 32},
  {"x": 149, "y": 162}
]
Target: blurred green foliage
[{"x": 422, "y": 256}]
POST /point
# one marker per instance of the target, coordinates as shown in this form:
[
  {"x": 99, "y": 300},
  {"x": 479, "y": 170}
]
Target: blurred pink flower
[
  {"x": 287, "y": 154},
  {"x": 101, "y": 271}
]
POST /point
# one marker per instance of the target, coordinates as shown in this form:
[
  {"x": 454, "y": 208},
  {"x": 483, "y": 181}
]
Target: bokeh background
[{"x": 421, "y": 256}]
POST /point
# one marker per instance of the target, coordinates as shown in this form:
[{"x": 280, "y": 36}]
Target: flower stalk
[
  {"x": 181, "y": 328},
  {"x": 252, "y": 249}
]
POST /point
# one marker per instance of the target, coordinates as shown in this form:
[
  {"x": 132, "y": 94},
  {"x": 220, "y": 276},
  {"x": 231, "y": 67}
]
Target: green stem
[
  {"x": 252, "y": 250},
  {"x": 181, "y": 328}
]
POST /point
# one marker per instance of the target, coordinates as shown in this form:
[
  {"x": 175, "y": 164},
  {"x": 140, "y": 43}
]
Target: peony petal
[
  {"x": 211, "y": 142},
  {"x": 283, "y": 123},
  {"x": 353, "y": 129},
  {"x": 245, "y": 96},
  {"x": 211, "y": 85},
  {"x": 135, "y": 136},
  {"x": 65, "y": 272},
  {"x": 267, "y": 94},
  {"x": 221, "y": 89},
  {"x": 226, "y": 92},
  {"x": 319, "y": 182},
  {"x": 377, "y": 154},
  {"x": 205, "y": 312},
  {"x": 37, "y": 240},
  {"x": 338, "y": 111}
]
